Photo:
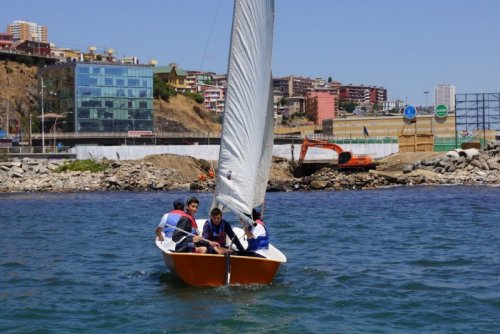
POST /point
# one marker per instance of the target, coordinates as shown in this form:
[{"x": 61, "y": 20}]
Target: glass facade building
[{"x": 99, "y": 97}]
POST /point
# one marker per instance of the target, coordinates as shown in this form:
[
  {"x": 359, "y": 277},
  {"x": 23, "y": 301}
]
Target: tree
[
  {"x": 329, "y": 79},
  {"x": 195, "y": 96},
  {"x": 161, "y": 90},
  {"x": 348, "y": 106}
]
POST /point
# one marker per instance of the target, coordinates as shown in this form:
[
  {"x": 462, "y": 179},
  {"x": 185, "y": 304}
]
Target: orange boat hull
[{"x": 210, "y": 269}]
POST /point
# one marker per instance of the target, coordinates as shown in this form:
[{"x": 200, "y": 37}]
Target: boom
[{"x": 346, "y": 158}]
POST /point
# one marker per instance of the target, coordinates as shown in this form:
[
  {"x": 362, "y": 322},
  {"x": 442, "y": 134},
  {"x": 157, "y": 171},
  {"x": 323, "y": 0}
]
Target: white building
[{"x": 445, "y": 94}]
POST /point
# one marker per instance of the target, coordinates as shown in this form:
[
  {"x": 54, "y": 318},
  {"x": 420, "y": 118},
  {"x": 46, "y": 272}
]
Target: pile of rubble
[
  {"x": 467, "y": 168},
  {"x": 29, "y": 175}
]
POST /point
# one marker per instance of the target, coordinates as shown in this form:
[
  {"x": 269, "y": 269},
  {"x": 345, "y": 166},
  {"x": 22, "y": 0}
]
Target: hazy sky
[{"x": 406, "y": 46}]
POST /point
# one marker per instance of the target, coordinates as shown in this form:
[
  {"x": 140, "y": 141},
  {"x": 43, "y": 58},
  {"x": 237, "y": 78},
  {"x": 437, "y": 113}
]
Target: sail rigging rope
[{"x": 209, "y": 36}]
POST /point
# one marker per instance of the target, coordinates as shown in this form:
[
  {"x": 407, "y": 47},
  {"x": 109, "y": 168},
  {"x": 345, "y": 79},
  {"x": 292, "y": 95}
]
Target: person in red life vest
[
  {"x": 257, "y": 237},
  {"x": 216, "y": 229},
  {"x": 169, "y": 220},
  {"x": 190, "y": 241}
]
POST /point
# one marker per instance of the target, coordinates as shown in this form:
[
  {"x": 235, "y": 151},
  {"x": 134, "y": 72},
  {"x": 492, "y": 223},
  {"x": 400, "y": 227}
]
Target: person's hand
[
  {"x": 196, "y": 238},
  {"x": 214, "y": 244}
]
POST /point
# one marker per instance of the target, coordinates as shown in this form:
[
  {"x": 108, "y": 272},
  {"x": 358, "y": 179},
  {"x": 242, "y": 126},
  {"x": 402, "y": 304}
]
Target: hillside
[
  {"x": 18, "y": 91},
  {"x": 18, "y": 86},
  {"x": 182, "y": 114}
]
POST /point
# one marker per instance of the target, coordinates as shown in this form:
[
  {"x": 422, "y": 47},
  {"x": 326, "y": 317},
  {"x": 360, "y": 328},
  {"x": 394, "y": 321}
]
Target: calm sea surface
[{"x": 402, "y": 260}]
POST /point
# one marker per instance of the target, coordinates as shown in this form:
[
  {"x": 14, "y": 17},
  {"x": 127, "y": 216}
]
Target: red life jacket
[{"x": 193, "y": 222}]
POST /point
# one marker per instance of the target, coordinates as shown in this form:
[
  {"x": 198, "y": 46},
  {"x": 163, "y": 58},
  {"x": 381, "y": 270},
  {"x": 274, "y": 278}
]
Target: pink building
[{"x": 326, "y": 105}]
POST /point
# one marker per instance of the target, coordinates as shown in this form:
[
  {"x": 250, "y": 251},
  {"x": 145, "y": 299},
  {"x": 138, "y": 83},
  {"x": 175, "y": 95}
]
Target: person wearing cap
[
  {"x": 186, "y": 235},
  {"x": 169, "y": 220},
  {"x": 216, "y": 229}
]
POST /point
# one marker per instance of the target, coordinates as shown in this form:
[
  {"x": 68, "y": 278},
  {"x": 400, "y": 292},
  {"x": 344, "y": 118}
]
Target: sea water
[{"x": 400, "y": 260}]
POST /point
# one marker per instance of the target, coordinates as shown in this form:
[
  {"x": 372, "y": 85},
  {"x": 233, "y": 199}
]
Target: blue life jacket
[
  {"x": 261, "y": 242},
  {"x": 217, "y": 236},
  {"x": 172, "y": 219}
]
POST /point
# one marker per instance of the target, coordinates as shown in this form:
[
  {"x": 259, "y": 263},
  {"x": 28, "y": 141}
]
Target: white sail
[{"x": 247, "y": 131}]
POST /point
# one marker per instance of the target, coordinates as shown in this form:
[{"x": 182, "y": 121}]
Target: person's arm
[
  {"x": 161, "y": 227},
  {"x": 206, "y": 230},
  {"x": 185, "y": 225},
  {"x": 233, "y": 237}
]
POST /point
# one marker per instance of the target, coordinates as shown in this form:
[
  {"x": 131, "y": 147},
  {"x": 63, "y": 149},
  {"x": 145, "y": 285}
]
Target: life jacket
[
  {"x": 220, "y": 238},
  {"x": 193, "y": 222},
  {"x": 172, "y": 219},
  {"x": 261, "y": 242}
]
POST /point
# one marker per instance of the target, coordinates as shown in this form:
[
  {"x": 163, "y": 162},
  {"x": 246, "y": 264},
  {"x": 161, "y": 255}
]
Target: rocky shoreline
[{"x": 32, "y": 175}]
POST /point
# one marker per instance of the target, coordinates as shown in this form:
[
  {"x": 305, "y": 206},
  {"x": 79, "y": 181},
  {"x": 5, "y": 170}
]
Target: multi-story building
[
  {"x": 99, "y": 97},
  {"x": 293, "y": 85},
  {"x": 213, "y": 98},
  {"x": 324, "y": 103},
  {"x": 22, "y": 30},
  {"x": 445, "y": 94},
  {"x": 196, "y": 79},
  {"x": 173, "y": 75},
  {"x": 363, "y": 94}
]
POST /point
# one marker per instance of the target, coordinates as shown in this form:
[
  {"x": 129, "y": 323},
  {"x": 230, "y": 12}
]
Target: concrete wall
[{"x": 211, "y": 152}]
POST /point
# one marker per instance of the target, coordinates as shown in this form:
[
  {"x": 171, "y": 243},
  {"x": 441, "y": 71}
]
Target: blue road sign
[{"x": 410, "y": 112}]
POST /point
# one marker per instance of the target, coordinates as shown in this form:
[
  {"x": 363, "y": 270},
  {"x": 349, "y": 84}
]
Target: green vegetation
[
  {"x": 195, "y": 96},
  {"x": 82, "y": 166},
  {"x": 162, "y": 90},
  {"x": 348, "y": 106}
]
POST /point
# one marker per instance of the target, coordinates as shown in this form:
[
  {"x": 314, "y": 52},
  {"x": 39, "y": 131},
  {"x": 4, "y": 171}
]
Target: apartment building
[
  {"x": 293, "y": 85},
  {"x": 28, "y": 31},
  {"x": 213, "y": 98},
  {"x": 363, "y": 94},
  {"x": 196, "y": 79},
  {"x": 325, "y": 105},
  {"x": 445, "y": 94}
]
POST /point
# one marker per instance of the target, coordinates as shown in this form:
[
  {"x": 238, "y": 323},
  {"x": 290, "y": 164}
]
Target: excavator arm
[
  {"x": 346, "y": 158},
  {"x": 317, "y": 143}
]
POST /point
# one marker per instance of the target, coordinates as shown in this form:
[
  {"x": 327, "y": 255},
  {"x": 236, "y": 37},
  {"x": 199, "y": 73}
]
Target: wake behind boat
[{"x": 245, "y": 152}]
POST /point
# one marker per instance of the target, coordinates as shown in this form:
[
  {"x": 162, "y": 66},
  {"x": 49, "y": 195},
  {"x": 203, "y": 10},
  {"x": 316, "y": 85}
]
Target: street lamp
[{"x": 54, "y": 127}]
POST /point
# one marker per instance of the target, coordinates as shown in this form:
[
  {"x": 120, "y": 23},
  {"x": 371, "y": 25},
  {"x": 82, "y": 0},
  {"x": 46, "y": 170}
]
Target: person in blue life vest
[
  {"x": 169, "y": 220},
  {"x": 185, "y": 236},
  {"x": 216, "y": 229},
  {"x": 257, "y": 237}
]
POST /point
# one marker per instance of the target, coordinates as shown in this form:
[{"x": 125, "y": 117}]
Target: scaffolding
[{"x": 477, "y": 115}]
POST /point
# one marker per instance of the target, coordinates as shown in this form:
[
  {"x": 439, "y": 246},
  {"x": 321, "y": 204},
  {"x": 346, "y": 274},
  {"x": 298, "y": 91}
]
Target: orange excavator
[{"x": 347, "y": 160}]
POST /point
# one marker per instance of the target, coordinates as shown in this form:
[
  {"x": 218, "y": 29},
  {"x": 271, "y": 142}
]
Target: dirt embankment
[{"x": 396, "y": 162}]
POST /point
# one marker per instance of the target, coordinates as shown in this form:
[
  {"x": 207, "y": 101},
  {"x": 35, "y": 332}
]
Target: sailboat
[{"x": 245, "y": 152}]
